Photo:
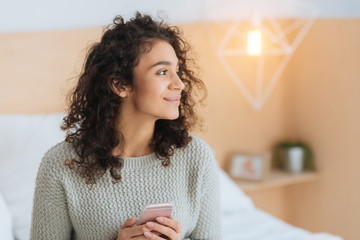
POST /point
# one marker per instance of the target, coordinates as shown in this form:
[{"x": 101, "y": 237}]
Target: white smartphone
[{"x": 151, "y": 211}]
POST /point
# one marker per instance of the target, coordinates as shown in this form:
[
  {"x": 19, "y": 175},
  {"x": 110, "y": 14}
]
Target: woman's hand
[
  {"x": 129, "y": 231},
  {"x": 168, "y": 227}
]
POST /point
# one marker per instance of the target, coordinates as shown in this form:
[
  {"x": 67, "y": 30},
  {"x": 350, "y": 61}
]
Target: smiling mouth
[{"x": 174, "y": 100}]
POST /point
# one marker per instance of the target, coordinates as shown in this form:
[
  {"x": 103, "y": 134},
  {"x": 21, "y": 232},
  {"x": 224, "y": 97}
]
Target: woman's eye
[
  {"x": 179, "y": 73},
  {"x": 162, "y": 72}
]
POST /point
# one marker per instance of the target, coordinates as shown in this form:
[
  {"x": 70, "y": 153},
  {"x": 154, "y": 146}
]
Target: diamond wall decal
[{"x": 281, "y": 38}]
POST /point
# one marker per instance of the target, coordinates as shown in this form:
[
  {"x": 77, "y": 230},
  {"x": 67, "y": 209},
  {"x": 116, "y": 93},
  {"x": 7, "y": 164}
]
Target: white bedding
[
  {"x": 254, "y": 224},
  {"x": 251, "y": 224},
  {"x": 5, "y": 221},
  {"x": 24, "y": 140}
]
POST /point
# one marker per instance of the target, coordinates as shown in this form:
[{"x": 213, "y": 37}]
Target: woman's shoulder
[
  {"x": 197, "y": 149},
  {"x": 62, "y": 148},
  {"x": 199, "y": 145},
  {"x": 57, "y": 155}
]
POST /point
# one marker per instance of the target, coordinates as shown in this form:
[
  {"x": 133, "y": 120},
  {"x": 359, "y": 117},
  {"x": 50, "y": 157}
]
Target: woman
[{"x": 128, "y": 145}]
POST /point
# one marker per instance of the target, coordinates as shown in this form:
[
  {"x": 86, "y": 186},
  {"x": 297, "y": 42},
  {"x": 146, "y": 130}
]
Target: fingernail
[
  {"x": 160, "y": 220},
  {"x": 150, "y": 224},
  {"x": 147, "y": 234}
]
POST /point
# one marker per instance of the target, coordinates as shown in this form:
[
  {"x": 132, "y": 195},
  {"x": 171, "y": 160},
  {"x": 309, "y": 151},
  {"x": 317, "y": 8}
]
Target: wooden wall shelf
[{"x": 276, "y": 179}]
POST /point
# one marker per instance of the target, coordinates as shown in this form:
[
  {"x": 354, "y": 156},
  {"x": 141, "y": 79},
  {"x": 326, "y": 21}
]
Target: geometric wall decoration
[{"x": 256, "y": 76}]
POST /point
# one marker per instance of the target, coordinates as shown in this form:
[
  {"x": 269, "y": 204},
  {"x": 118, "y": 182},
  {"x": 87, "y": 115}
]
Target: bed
[{"x": 24, "y": 140}]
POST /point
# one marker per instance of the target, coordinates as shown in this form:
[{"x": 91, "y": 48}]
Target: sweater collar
[{"x": 140, "y": 162}]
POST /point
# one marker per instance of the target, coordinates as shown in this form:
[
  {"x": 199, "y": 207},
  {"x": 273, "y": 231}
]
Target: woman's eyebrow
[{"x": 168, "y": 63}]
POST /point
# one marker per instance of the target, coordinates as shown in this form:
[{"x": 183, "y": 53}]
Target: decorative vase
[{"x": 294, "y": 162}]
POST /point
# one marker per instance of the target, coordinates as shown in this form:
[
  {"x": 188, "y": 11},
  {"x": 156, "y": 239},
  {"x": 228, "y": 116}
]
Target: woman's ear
[{"x": 119, "y": 89}]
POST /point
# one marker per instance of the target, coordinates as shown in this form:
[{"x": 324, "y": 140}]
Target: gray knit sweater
[{"x": 66, "y": 208}]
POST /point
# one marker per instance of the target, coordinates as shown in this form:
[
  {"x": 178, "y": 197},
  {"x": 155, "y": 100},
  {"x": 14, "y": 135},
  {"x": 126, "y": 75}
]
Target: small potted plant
[{"x": 293, "y": 156}]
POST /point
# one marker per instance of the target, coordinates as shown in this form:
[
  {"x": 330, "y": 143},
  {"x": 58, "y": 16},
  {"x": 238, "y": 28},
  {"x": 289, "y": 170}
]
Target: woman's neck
[{"x": 137, "y": 136}]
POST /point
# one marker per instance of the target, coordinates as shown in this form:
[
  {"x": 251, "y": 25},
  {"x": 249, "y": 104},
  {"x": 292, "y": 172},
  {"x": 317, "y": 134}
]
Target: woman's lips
[{"x": 175, "y": 100}]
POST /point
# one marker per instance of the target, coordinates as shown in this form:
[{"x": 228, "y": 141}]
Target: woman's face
[{"x": 157, "y": 86}]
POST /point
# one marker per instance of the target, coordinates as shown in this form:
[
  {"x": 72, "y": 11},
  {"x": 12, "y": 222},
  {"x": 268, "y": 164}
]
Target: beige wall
[
  {"x": 37, "y": 69},
  {"x": 325, "y": 93},
  {"x": 316, "y": 100}
]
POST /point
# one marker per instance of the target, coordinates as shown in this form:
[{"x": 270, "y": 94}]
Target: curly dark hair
[{"x": 94, "y": 105}]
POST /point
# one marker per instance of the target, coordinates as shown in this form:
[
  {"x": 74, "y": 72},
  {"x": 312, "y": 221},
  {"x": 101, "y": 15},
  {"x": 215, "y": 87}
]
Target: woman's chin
[{"x": 172, "y": 116}]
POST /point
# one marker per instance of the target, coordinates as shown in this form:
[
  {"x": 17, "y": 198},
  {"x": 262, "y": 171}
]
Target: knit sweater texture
[{"x": 65, "y": 207}]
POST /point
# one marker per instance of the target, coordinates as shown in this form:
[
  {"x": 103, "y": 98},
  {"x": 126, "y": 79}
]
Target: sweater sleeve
[
  {"x": 208, "y": 225},
  {"x": 50, "y": 217}
]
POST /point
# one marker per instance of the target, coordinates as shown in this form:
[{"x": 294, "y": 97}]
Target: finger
[
  {"x": 171, "y": 222},
  {"x": 135, "y": 231},
  {"x": 151, "y": 235},
  {"x": 167, "y": 231},
  {"x": 141, "y": 237},
  {"x": 156, "y": 233},
  {"x": 139, "y": 230},
  {"x": 129, "y": 223}
]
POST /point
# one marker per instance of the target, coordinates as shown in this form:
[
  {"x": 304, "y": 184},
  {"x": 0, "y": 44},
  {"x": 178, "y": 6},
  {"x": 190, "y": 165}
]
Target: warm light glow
[{"x": 254, "y": 42}]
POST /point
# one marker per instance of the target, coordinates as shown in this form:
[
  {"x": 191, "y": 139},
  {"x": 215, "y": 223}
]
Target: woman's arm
[
  {"x": 50, "y": 217},
  {"x": 209, "y": 224}
]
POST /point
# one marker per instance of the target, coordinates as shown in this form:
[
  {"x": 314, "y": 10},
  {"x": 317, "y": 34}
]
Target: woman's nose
[{"x": 177, "y": 83}]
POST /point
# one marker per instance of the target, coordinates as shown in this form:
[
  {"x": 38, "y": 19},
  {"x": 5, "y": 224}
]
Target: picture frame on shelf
[{"x": 249, "y": 166}]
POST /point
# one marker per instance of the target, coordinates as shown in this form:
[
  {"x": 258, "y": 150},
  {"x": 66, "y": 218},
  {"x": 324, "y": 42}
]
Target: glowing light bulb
[{"x": 254, "y": 43}]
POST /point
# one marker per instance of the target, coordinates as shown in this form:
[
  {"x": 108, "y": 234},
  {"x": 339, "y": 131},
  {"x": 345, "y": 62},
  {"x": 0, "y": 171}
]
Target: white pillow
[
  {"x": 23, "y": 141},
  {"x": 5, "y": 221},
  {"x": 232, "y": 198}
]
